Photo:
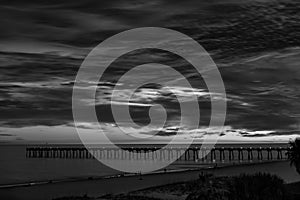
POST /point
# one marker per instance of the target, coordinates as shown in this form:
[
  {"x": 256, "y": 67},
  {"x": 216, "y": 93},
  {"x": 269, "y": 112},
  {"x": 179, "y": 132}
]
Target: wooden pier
[{"x": 196, "y": 154}]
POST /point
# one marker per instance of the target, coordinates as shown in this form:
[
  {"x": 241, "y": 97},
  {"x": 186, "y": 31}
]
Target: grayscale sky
[{"x": 255, "y": 45}]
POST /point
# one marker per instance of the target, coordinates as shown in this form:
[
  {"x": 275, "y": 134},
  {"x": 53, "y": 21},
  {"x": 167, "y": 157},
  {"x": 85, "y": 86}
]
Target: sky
[{"x": 255, "y": 45}]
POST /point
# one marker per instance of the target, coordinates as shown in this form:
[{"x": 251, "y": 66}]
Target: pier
[{"x": 193, "y": 154}]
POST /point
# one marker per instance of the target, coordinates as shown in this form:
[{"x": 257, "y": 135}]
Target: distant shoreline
[{"x": 199, "y": 143}]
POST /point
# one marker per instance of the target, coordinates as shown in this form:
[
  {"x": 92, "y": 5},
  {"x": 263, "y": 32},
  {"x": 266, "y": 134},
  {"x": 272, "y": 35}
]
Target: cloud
[
  {"x": 42, "y": 45},
  {"x": 6, "y": 135}
]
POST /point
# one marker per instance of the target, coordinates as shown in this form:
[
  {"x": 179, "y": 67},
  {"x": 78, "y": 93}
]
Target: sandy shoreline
[
  {"x": 176, "y": 168},
  {"x": 114, "y": 185}
]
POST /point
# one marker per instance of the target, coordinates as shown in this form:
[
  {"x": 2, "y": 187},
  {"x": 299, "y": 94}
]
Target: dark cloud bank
[{"x": 254, "y": 43}]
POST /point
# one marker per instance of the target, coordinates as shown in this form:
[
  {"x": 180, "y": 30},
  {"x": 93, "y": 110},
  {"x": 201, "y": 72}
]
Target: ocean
[{"x": 15, "y": 168}]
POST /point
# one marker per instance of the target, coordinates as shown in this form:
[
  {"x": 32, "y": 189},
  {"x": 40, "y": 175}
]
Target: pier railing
[{"x": 195, "y": 154}]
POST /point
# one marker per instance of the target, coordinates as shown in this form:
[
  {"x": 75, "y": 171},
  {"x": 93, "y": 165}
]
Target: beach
[
  {"x": 116, "y": 185},
  {"x": 112, "y": 98}
]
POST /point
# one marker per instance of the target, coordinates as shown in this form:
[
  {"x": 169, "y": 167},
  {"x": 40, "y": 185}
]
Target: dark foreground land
[
  {"x": 259, "y": 186},
  {"x": 164, "y": 185}
]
